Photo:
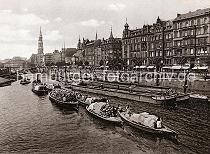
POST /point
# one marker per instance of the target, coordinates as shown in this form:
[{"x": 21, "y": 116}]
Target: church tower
[
  {"x": 40, "y": 55},
  {"x": 40, "y": 43}
]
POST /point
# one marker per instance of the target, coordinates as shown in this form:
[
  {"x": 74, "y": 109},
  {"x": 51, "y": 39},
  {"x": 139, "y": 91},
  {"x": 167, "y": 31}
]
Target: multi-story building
[
  {"x": 147, "y": 46},
  {"x": 49, "y": 59},
  {"x": 97, "y": 50},
  {"x": 77, "y": 57},
  {"x": 90, "y": 50},
  {"x": 111, "y": 49},
  {"x": 192, "y": 37},
  {"x": 184, "y": 40},
  {"x": 63, "y": 56},
  {"x": 16, "y": 64},
  {"x": 56, "y": 57},
  {"x": 33, "y": 60},
  {"x": 67, "y": 54}
]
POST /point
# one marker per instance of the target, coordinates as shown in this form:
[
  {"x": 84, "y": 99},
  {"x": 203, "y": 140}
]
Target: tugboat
[
  {"x": 39, "y": 88},
  {"x": 25, "y": 81},
  {"x": 63, "y": 98},
  {"x": 147, "y": 123},
  {"x": 105, "y": 112}
]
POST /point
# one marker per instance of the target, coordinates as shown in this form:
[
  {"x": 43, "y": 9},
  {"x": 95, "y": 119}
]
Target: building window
[
  {"x": 205, "y": 20},
  {"x": 175, "y": 34},
  {"x": 198, "y": 22},
  {"x": 205, "y": 49},
  {"x": 202, "y": 30},
  {"x": 180, "y": 24},
  {"x": 186, "y": 23},
  {"x": 191, "y": 51},
  {"x": 192, "y": 22},
  {"x": 175, "y": 26},
  {"x": 205, "y": 29}
]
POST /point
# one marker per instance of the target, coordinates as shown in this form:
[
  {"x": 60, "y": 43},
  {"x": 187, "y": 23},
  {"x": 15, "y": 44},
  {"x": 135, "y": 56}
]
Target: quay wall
[
  {"x": 200, "y": 86},
  {"x": 197, "y": 86},
  {"x": 118, "y": 93}
]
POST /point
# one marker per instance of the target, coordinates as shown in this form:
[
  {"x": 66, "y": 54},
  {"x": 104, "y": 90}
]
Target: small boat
[
  {"x": 100, "y": 110},
  {"x": 63, "y": 98},
  {"x": 39, "y": 88},
  {"x": 199, "y": 97},
  {"x": 141, "y": 123},
  {"x": 163, "y": 98},
  {"x": 86, "y": 100},
  {"x": 25, "y": 81}
]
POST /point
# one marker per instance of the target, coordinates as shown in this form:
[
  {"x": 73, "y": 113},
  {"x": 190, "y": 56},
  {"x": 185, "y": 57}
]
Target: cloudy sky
[{"x": 65, "y": 20}]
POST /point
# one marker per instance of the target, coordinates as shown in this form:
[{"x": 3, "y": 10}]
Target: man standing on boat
[{"x": 158, "y": 123}]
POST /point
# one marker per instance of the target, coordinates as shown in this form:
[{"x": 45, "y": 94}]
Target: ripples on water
[{"x": 29, "y": 123}]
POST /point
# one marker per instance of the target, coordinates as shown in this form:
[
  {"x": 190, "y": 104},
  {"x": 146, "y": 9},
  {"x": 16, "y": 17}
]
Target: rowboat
[
  {"x": 95, "y": 109},
  {"x": 57, "y": 97},
  {"x": 39, "y": 89},
  {"x": 163, "y": 131}
]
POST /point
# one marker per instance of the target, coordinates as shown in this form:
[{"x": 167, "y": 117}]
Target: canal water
[{"x": 31, "y": 124}]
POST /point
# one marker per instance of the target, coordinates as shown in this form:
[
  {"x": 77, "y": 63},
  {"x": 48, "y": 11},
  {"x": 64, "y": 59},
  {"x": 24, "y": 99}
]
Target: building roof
[{"x": 190, "y": 14}]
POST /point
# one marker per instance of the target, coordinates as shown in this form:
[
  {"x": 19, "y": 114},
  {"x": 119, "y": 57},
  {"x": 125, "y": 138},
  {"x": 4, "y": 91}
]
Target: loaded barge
[{"x": 141, "y": 94}]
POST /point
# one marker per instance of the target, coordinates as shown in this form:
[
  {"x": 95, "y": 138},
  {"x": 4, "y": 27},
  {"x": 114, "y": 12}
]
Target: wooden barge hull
[
  {"x": 40, "y": 92},
  {"x": 117, "y": 93},
  {"x": 64, "y": 105},
  {"x": 140, "y": 97}
]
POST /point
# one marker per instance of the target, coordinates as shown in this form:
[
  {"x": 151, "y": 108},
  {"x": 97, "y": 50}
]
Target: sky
[{"x": 65, "y": 20}]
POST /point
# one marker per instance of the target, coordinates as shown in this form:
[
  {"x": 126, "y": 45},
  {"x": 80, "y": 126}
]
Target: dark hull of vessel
[
  {"x": 61, "y": 104},
  {"x": 93, "y": 114},
  {"x": 167, "y": 132},
  {"x": 5, "y": 84},
  {"x": 40, "y": 92},
  {"x": 24, "y": 83}
]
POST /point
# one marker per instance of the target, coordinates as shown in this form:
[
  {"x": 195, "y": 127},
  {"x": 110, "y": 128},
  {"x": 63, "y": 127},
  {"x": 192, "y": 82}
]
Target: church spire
[
  {"x": 79, "y": 43},
  {"x": 111, "y": 35},
  {"x": 40, "y": 43},
  {"x": 96, "y": 36},
  {"x": 40, "y": 31}
]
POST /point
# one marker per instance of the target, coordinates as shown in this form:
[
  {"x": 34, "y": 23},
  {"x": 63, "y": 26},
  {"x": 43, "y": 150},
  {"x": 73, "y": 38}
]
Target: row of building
[
  {"x": 15, "y": 62},
  {"x": 181, "y": 41}
]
